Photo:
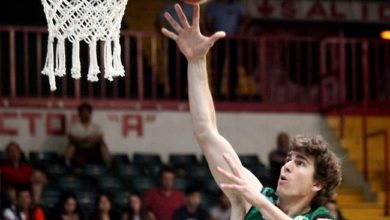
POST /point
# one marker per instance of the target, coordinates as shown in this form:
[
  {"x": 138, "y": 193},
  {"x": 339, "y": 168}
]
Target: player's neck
[{"x": 294, "y": 206}]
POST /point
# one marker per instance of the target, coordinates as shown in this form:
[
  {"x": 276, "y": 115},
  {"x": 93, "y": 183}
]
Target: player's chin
[{"x": 281, "y": 189}]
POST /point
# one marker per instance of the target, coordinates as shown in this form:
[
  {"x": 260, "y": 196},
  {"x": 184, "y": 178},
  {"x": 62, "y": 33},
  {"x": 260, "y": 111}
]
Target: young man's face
[
  {"x": 85, "y": 115},
  {"x": 104, "y": 204},
  {"x": 24, "y": 200},
  {"x": 194, "y": 199},
  {"x": 70, "y": 205},
  {"x": 168, "y": 180},
  {"x": 135, "y": 203},
  {"x": 297, "y": 177},
  {"x": 13, "y": 153}
]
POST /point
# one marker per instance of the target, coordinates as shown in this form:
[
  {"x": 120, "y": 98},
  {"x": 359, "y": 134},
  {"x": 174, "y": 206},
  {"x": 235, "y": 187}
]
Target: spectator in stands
[
  {"x": 227, "y": 16},
  {"x": 277, "y": 157},
  {"x": 222, "y": 210},
  {"x": 192, "y": 209},
  {"x": 24, "y": 209},
  {"x": 86, "y": 143},
  {"x": 104, "y": 209},
  {"x": 16, "y": 173},
  {"x": 282, "y": 88},
  {"x": 136, "y": 211},
  {"x": 67, "y": 208},
  {"x": 165, "y": 199}
]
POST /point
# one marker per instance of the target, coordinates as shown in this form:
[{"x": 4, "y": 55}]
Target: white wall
[{"x": 160, "y": 132}]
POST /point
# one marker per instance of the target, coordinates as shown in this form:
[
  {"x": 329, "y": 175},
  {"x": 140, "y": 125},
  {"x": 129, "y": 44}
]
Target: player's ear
[{"x": 317, "y": 186}]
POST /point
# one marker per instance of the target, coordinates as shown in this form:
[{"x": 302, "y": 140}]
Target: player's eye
[{"x": 300, "y": 163}]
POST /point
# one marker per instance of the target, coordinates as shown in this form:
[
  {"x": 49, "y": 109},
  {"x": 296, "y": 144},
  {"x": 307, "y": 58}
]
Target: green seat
[
  {"x": 142, "y": 184},
  {"x": 86, "y": 199},
  {"x": 44, "y": 158},
  {"x": 208, "y": 200},
  {"x": 128, "y": 171},
  {"x": 262, "y": 173},
  {"x": 70, "y": 183},
  {"x": 152, "y": 170},
  {"x": 146, "y": 159},
  {"x": 211, "y": 187},
  {"x": 181, "y": 183},
  {"x": 50, "y": 197},
  {"x": 249, "y": 160},
  {"x": 94, "y": 171},
  {"x": 121, "y": 198},
  {"x": 183, "y": 160},
  {"x": 199, "y": 172},
  {"x": 110, "y": 184},
  {"x": 119, "y": 159},
  {"x": 56, "y": 170}
]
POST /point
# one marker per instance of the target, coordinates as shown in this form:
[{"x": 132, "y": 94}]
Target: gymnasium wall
[{"x": 160, "y": 132}]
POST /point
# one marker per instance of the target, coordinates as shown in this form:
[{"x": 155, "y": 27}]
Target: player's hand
[
  {"x": 191, "y": 42},
  {"x": 238, "y": 183}
]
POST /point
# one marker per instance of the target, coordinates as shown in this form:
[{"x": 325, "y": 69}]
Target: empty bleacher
[{"x": 352, "y": 201}]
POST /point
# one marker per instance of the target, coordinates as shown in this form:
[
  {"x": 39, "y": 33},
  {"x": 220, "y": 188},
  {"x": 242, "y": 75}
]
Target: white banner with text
[
  {"x": 307, "y": 10},
  {"x": 162, "y": 132}
]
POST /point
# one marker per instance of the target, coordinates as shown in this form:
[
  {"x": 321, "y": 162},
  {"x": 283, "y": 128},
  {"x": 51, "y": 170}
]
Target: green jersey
[{"x": 269, "y": 193}]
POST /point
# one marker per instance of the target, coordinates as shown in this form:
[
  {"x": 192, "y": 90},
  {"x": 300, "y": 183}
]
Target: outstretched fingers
[
  {"x": 176, "y": 26},
  {"x": 232, "y": 177},
  {"x": 196, "y": 15},
  {"x": 216, "y": 36},
  {"x": 182, "y": 17},
  {"x": 230, "y": 186},
  {"x": 169, "y": 34}
]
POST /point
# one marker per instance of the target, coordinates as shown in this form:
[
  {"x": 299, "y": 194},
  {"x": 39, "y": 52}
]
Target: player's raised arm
[{"x": 195, "y": 47}]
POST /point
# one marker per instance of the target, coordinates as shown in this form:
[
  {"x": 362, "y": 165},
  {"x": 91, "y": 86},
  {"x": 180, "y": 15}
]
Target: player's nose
[{"x": 287, "y": 167}]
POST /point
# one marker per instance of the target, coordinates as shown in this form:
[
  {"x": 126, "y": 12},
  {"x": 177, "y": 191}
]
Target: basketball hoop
[{"x": 83, "y": 20}]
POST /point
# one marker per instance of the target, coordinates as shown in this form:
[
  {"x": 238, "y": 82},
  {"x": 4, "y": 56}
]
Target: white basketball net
[{"x": 88, "y": 20}]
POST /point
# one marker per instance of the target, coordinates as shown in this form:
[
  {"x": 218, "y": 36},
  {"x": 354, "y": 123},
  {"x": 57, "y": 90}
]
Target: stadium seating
[
  {"x": 351, "y": 201},
  {"x": 94, "y": 171},
  {"x": 110, "y": 184},
  {"x": 146, "y": 159},
  {"x": 249, "y": 160},
  {"x": 182, "y": 160},
  {"x": 142, "y": 184},
  {"x": 119, "y": 159},
  {"x": 123, "y": 178},
  {"x": 43, "y": 158},
  {"x": 71, "y": 183}
]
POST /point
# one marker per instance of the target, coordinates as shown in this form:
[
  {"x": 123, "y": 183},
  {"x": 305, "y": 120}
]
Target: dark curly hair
[{"x": 327, "y": 165}]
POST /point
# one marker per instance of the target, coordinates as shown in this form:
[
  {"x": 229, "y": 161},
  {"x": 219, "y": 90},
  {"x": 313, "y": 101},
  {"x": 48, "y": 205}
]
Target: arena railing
[{"x": 247, "y": 73}]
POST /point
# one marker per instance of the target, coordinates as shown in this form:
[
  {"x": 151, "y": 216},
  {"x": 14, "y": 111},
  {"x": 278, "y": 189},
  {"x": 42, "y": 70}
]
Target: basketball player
[{"x": 308, "y": 178}]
